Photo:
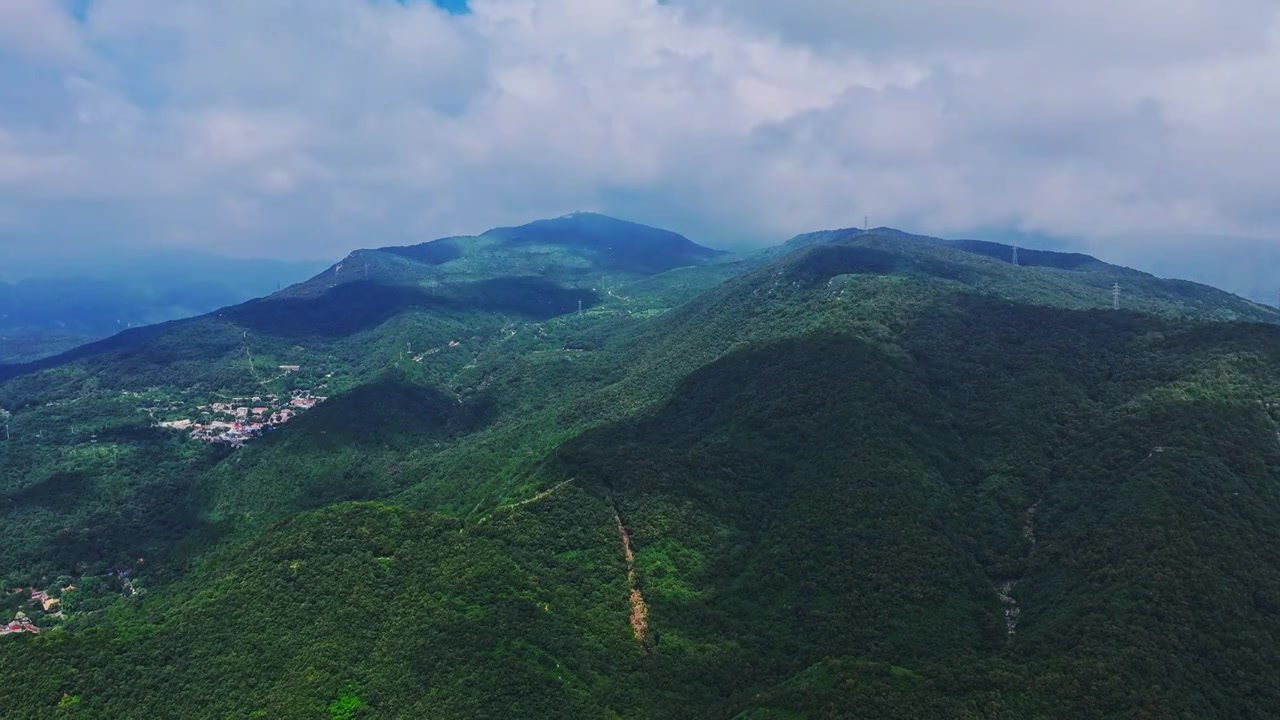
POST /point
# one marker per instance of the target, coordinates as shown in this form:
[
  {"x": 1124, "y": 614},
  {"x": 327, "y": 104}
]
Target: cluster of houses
[
  {"x": 242, "y": 419},
  {"x": 20, "y": 624},
  {"x": 51, "y": 606},
  {"x": 46, "y": 603}
]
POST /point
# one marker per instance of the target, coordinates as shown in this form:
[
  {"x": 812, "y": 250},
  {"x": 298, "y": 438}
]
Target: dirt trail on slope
[
  {"x": 540, "y": 496},
  {"x": 1004, "y": 590},
  {"x": 639, "y": 610}
]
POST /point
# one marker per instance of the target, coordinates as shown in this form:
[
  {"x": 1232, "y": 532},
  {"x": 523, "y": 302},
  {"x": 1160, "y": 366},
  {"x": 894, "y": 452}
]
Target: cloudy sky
[{"x": 306, "y": 128}]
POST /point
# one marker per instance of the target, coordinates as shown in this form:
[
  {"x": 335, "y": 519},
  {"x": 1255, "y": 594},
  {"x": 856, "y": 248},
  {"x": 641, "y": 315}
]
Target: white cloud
[
  {"x": 40, "y": 31},
  {"x": 311, "y": 127}
]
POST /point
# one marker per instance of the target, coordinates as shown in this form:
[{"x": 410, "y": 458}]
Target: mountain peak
[
  {"x": 584, "y": 214},
  {"x": 571, "y": 250},
  {"x": 583, "y": 221}
]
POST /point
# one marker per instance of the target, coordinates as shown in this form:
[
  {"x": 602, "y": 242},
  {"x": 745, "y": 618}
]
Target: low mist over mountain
[
  {"x": 1245, "y": 266},
  {"x": 54, "y": 306}
]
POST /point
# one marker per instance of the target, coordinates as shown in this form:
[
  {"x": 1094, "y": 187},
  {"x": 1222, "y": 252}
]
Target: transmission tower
[
  {"x": 1015, "y": 254},
  {"x": 579, "y": 308},
  {"x": 1115, "y": 296}
]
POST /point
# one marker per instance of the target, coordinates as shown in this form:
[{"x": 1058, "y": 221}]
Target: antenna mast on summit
[
  {"x": 866, "y": 223},
  {"x": 1015, "y": 254},
  {"x": 1115, "y": 296}
]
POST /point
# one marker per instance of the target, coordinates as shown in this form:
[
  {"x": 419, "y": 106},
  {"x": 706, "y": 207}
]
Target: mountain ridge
[{"x": 436, "y": 253}]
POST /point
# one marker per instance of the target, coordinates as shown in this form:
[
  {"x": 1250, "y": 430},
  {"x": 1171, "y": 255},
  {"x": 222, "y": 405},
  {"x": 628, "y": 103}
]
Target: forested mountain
[
  {"x": 576, "y": 249},
  {"x": 864, "y": 475}
]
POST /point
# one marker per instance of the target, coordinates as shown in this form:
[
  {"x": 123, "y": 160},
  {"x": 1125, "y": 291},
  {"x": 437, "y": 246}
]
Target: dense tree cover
[
  {"x": 830, "y": 466},
  {"x": 834, "y": 497},
  {"x": 315, "y": 611}
]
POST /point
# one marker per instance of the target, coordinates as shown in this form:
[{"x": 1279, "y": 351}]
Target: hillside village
[
  {"x": 51, "y": 607},
  {"x": 37, "y": 610},
  {"x": 20, "y": 624},
  {"x": 240, "y": 420}
]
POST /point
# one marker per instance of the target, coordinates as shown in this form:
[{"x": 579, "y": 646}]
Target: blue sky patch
[
  {"x": 454, "y": 7},
  {"x": 79, "y": 9},
  {"x": 457, "y": 7}
]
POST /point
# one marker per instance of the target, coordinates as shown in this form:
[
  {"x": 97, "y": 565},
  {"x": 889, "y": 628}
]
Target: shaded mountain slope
[{"x": 821, "y": 494}]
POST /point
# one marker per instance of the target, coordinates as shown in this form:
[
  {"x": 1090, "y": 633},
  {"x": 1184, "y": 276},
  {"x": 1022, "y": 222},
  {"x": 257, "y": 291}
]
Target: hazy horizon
[{"x": 1236, "y": 264}]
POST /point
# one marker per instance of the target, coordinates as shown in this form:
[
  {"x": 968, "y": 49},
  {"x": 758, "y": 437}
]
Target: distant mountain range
[
  {"x": 583, "y": 468},
  {"x": 47, "y": 314},
  {"x": 1245, "y": 266}
]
